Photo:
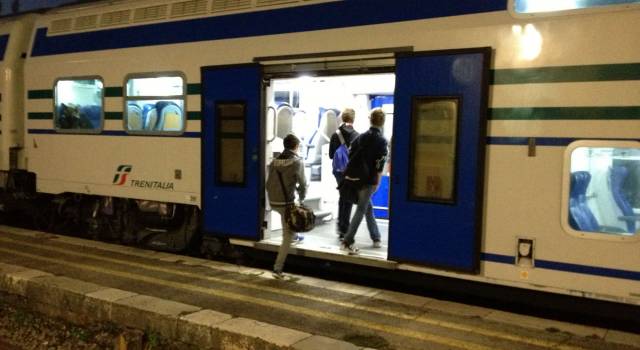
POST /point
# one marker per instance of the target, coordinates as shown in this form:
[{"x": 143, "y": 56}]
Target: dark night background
[{"x": 12, "y": 7}]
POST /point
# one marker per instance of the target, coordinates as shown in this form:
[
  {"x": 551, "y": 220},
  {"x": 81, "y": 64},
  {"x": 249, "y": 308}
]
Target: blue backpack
[{"x": 341, "y": 157}]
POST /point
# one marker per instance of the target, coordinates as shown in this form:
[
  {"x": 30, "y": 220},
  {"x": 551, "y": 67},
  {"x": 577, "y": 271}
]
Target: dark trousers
[{"x": 344, "y": 209}]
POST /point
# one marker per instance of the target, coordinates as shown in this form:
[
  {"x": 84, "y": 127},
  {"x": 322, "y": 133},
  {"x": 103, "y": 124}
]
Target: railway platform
[{"x": 215, "y": 305}]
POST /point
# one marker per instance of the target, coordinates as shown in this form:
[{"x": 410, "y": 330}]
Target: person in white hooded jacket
[{"x": 286, "y": 176}]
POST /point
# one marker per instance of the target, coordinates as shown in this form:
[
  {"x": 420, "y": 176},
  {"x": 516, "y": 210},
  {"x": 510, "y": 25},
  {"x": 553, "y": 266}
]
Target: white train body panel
[
  {"x": 15, "y": 36},
  {"x": 523, "y": 195}
]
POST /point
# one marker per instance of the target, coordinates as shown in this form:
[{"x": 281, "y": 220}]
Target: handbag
[{"x": 298, "y": 218}]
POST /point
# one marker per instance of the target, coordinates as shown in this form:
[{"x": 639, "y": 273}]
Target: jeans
[
  {"x": 287, "y": 237},
  {"x": 344, "y": 209},
  {"x": 364, "y": 208}
]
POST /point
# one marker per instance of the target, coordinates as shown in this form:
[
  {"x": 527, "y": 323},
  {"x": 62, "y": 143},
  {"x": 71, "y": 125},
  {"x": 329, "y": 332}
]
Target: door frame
[{"x": 302, "y": 68}]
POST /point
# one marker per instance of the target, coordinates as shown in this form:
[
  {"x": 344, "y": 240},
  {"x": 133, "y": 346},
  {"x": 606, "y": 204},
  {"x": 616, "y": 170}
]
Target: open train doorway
[{"x": 310, "y": 107}]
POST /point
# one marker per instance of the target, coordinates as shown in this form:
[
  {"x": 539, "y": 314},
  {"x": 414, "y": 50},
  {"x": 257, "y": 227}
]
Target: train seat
[
  {"x": 320, "y": 136},
  {"x": 93, "y": 113},
  {"x": 149, "y": 116},
  {"x": 326, "y": 126},
  {"x": 284, "y": 120},
  {"x": 135, "y": 120},
  {"x": 580, "y": 216},
  {"x": 617, "y": 177},
  {"x": 169, "y": 116}
]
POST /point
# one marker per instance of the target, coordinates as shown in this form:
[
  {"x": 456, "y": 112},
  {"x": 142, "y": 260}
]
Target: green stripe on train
[
  {"x": 193, "y": 89},
  {"x": 109, "y": 91},
  {"x": 49, "y": 115},
  {"x": 194, "y": 115},
  {"x": 566, "y": 113},
  {"x": 113, "y": 91},
  {"x": 113, "y": 115},
  {"x": 559, "y": 74},
  {"x": 532, "y": 113},
  {"x": 39, "y": 94},
  {"x": 40, "y": 115},
  {"x": 598, "y": 72}
]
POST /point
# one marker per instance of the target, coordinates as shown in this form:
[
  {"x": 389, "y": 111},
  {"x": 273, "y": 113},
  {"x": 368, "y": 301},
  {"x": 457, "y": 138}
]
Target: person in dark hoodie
[
  {"x": 367, "y": 157},
  {"x": 286, "y": 172},
  {"x": 344, "y": 135}
]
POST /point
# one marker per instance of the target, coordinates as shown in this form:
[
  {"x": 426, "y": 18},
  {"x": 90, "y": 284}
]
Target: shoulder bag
[{"x": 298, "y": 218}]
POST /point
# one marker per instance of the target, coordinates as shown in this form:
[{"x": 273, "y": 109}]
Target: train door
[
  {"x": 309, "y": 106},
  {"x": 231, "y": 139},
  {"x": 438, "y": 158}
]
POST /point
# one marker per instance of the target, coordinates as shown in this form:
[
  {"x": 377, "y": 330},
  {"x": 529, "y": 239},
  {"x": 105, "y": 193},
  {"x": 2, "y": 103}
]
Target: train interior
[
  {"x": 605, "y": 190},
  {"x": 310, "y": 108}
]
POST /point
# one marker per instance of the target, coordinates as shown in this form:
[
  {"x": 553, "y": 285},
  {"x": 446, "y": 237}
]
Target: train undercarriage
[{"x": 160, "y": 226}]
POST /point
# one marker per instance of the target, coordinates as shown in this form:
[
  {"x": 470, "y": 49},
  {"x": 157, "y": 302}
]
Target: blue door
[
  {"x": 231, "y": 177},
  {"x": 438, "y": 148}
]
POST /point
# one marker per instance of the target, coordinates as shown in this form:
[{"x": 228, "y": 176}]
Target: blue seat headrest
[
  {"x": 580, "y": 216},
  {"x": 617, "y": 177},
  {"x": 93, "y": 113}
]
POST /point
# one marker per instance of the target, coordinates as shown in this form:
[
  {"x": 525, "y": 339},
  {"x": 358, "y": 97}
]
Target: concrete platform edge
[{"x": 81, "y": 302}]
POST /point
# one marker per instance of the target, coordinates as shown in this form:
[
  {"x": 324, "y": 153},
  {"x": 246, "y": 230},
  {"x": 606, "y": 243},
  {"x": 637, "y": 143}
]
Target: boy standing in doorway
[
  {"x": 339, "y": 153},
  {"x": 367, "y": 156}
]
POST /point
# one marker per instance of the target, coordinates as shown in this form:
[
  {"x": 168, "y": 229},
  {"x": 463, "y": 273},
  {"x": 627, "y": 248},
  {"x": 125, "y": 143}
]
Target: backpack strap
[
  {"x": 342, "y": 142},
  {"x": 284, "y": 192}
]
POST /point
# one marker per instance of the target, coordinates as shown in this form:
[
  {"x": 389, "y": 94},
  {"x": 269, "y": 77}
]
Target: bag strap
[
  {"x": 353, "y": 158},
  {"x": 284, "y": 193},
  {"x": 342, "y": 141}
]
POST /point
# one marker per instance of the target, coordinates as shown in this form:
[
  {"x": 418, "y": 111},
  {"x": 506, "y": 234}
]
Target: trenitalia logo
[
  {"x": 120, "y": 179},
  {"x": 121, "y": 175}
]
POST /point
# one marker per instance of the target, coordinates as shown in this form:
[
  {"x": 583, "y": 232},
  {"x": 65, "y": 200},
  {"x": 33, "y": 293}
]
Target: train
[{"x": 513, "y": 126}]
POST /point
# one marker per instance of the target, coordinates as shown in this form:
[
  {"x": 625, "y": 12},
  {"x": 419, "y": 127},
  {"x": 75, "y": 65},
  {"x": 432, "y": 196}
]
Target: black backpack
[{"x": 357, "y": 168}]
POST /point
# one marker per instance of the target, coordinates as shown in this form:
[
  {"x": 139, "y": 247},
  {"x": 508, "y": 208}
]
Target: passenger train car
[{"x": 513, "y": 131}]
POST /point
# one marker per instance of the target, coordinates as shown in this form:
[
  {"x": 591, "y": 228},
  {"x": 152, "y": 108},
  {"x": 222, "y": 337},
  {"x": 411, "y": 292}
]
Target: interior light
[
  {"x": 157, "y": 86},
  {"x": 304, "y": 79},
  {"x": 530, "y": 41},
  {"x": 516, "y": 29},
  {"x": 550, "y": 5}
]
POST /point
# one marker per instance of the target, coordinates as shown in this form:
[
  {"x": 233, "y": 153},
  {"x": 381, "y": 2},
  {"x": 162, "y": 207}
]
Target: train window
[
  {"x": 433, "y": 154},
  {"x": 545, "y": 6},
  {"x": 230, "y": 139},
  {"x": 155, "y": 103},
  {"x": 78, "y": 105},
  {"x": 603, "y": 194}
]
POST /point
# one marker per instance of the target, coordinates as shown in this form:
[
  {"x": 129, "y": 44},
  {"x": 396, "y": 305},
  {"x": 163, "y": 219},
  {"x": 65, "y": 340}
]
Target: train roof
[{"x": 114, "y": 25}]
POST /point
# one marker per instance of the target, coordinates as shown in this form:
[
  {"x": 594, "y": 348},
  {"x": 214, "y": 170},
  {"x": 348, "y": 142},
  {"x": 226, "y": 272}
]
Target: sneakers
[
  {"x": 297, "y": 239},
  {"x": 278, "y": 275},
  {"x": 377, "y": 244},
  {"x": 351, "y": 248}
]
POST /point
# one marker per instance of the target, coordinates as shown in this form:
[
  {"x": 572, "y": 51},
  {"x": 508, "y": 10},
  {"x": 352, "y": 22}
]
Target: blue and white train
[{"x": 514, "y": 129}]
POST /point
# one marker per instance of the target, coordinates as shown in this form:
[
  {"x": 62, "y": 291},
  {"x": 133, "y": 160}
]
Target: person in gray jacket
[{"x": 289, "y": 167}]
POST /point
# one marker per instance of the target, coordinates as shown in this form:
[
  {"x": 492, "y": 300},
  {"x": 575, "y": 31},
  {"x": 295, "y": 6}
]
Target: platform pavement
[{"x": 221, "y": 306}]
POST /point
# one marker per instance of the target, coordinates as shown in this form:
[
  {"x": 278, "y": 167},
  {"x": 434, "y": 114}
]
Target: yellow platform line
[
  {"x": 262, "y": 302},
  {"x": 244, "y": 284}
]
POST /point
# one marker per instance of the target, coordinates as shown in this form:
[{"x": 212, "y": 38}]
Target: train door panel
[
  {"x": 231, "y": 181},
  {"x": 438, "y": 158}
]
